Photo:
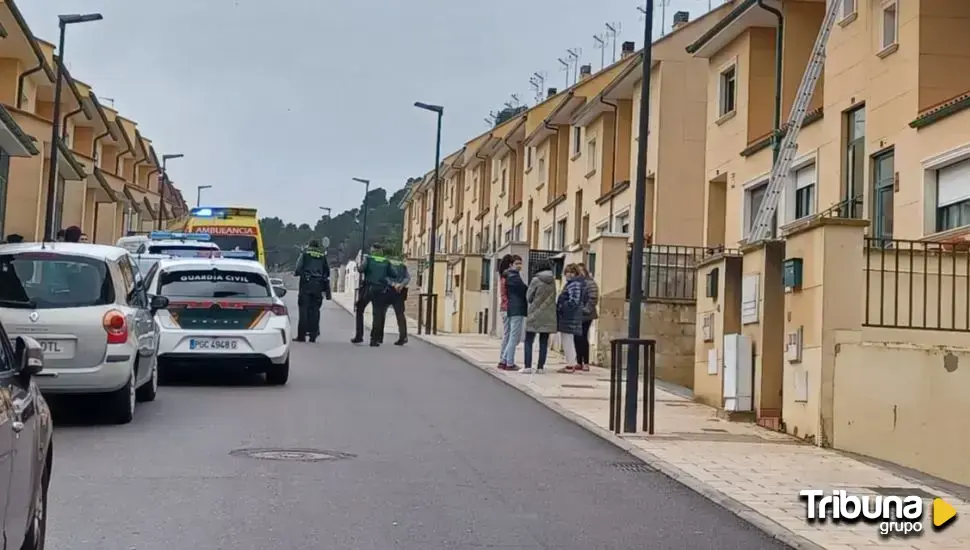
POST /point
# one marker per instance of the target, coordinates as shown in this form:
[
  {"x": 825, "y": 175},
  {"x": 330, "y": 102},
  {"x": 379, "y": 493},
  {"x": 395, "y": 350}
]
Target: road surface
[{"x": 444, "y": 457}]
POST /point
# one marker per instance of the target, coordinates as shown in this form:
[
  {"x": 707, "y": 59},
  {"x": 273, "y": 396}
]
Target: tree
[{"x": 509, "y": 112}]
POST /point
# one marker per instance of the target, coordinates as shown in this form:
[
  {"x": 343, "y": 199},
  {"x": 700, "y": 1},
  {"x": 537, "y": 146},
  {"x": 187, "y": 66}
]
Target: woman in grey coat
[{"x": 541, "y": 320}]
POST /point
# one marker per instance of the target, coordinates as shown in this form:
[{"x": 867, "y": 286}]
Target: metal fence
[
  {"x": 536, "y": 255},
  {"x": 670, "y": 271},
  {"x": 917, "y": 285}
]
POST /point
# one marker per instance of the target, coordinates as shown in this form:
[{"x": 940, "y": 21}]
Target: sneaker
[
  {"x": 568, "y": 369},
  {"x": 526, "y": 370},
  {"x": 401, "y": 341},
  {"x": 540, "y": 370},
  {"x": 356, "y": 340},
  {"x": 584, "y": 368},
  {"x": 375, "y": 344}
]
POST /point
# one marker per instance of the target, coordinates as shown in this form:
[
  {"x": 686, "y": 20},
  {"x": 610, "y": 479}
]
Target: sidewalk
[{"x": 756, "y": 473}]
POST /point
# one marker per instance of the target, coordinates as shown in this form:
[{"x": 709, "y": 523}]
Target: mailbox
[
  {"x": 711, "y": 283},
  {"x": 792, "y": 274}
]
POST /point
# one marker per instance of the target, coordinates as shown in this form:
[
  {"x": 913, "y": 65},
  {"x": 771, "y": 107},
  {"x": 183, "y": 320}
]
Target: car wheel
[
  {"x": 149, "y": 390},
  {"x": 121, "y": 403},
  {"x": 36, "y": 538},
  {"x": 277, "y": 375}
]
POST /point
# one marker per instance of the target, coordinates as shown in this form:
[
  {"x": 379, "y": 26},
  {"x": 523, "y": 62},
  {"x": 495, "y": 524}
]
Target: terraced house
[
  {"x": 107, "y": 173},
  {"x": 853, "y": 316},
  {"x": 555, "y": 182}
]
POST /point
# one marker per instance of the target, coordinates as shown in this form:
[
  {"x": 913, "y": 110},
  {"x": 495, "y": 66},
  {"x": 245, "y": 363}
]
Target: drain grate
[
  {"x": 291, "y": 455},
  {"x": 634, "y": 467}
]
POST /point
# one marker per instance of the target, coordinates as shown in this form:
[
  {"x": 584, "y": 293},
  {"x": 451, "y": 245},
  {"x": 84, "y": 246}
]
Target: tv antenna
[
  {"x": 663, "y": 16},
  {"x": 573, "y": 56},
  {"x": 108, "y": 100},
  {"x": 538, "y": 83},
  {"x": 513, "y": 102},
  {"x": 565, "y": 67},
  {"x": 600, "y": 44},
  {"x": 612, "y": 32},
  {"x": 491, "y": 118}
]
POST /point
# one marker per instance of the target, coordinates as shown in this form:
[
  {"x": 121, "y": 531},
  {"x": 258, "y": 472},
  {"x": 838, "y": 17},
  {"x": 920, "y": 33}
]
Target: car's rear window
[
  {"x": 184, "y": 251},
  {"x": 48, "y": 280},
  {"x": 213, "y": 283}
]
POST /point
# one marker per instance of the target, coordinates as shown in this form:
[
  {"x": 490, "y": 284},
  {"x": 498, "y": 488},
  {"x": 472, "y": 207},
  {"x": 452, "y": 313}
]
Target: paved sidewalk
[{"x": 754, "y": 472}]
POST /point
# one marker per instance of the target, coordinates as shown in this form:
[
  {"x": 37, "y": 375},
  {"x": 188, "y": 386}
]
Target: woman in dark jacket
[
  {"x": 569, "y": 314},
  {"x": 591, "y": 298},
  {"x": 515, "y": 313}
]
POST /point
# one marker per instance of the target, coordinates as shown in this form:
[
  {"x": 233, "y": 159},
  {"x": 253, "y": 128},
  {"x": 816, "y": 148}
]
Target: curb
[{"x": 745, "y": 512}]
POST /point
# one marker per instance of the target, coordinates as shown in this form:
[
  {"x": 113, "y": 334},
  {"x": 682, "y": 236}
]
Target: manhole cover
[
  {"x": 634, "y": 467},
  {"x": 291, "y": 455}
]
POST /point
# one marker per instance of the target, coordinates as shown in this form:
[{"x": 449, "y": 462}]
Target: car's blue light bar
[
  {"x": 170, "y": 236},
  {"x": 239, "y": 254}
]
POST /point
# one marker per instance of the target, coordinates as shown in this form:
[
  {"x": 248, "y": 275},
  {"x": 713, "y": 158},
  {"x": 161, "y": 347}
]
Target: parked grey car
[{"x": 88, "y": 308}]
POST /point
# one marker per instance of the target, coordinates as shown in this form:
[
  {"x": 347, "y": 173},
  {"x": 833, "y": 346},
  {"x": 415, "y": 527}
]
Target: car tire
[
  {"x": 277, "y": 375},
  {"x": 149, "y": 390},
  {"x": 36, "y": 538},
  {"x": 121, "y": 402}
]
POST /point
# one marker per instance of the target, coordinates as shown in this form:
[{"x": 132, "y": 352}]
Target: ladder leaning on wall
[{"x": 780, "y": 172}]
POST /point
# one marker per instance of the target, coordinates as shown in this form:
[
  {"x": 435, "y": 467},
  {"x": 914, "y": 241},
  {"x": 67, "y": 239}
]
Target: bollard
[
  {"x": 432, "y": 303},
  {"x": 617, "y": 394}
]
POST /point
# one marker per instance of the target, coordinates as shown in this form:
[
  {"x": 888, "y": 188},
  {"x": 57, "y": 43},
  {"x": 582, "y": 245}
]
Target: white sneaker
[{"x": 526, "y": 371}]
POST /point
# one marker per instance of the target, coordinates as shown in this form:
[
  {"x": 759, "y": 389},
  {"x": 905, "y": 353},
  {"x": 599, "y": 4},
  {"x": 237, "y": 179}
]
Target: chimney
[
  {"x": 585, "y": 72},
  {"x": 627, "y": 49},
  {"x": 551, "y": 92},
  {"x": 680, "y": 19}
]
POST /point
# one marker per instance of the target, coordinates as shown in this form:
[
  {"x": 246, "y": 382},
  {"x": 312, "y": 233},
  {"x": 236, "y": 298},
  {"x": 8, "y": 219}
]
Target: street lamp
[
  {"x": 440, "y": 111},
  {"x": 161, "y": 187},
  {"x": 198, "y": 193},
  {"x": 363, "y": 222},
  {"x": 63, "y": 22},
  {"x": 640, "y": 199}
]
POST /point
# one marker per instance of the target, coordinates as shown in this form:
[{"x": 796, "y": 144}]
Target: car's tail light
[
  {"x": 278, "y": 309},
  {"x": 116, "y": 326}
]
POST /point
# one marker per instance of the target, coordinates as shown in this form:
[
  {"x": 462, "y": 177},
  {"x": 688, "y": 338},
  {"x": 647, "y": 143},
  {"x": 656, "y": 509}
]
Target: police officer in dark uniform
[
  {"x": 314, "y": 273},
  {"x": 374, "y": 270},
  {"x": 398, "y": 280}
]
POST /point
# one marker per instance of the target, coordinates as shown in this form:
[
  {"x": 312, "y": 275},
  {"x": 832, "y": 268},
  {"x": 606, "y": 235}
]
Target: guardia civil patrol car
[{"x": 222, "y": 311}]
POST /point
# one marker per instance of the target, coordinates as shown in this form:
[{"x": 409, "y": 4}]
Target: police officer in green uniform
[
  {"x": 374, "y": 270},
  {"x": 314, "y": 272},
  {"x": 398, "y": 280}
]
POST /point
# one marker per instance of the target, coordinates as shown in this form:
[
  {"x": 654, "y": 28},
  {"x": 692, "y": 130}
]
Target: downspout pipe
[
  {"x": 779, "y": 51},
  {"x": 616, "y": 129},
  {"x": 67, "y": 117},
  {"x": 20, "y": 84},
  {"x": 94, "y": 144},
  {"x": 482, "y": 186},
  {"x": 119, "y": 158},
  {"x": 558, "y": 131},
  {"x": 511, "y": 190}
]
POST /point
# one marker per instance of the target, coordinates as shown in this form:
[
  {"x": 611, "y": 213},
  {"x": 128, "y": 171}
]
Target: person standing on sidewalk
[
  {"x": 503, "y": 305},
  {"x": 399, "y": 279},
  {"x": 373, "y": 270},
  {"x": 569, "y": 315},
  {"x": 541, "y": 299},
  {"x": 591, "y": 299},
  {"x": 516, "y": 311}
]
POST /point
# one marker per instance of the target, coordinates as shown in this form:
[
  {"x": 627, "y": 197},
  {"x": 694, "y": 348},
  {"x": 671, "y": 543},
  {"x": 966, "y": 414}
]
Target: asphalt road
[{"x": 445, "y": 457}]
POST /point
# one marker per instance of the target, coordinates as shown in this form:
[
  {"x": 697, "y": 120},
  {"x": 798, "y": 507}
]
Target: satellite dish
[{"x": 325, "y": 242}]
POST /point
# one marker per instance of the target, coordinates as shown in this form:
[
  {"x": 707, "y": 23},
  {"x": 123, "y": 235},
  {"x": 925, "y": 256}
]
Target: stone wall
[{"x": 670, "y": 322}]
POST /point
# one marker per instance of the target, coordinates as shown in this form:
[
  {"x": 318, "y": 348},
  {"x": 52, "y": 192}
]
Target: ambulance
[{"x": 235, "y": 229}]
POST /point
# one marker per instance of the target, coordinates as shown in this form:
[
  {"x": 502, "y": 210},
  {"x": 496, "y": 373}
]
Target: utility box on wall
[
  {"x": 738, "y": 375},
  {"x": 792, "y": 274},
  {"x": 711, "y": 283}
]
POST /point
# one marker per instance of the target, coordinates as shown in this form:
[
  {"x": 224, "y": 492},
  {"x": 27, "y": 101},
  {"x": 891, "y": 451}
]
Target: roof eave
[{"x": 726, "y": 29}]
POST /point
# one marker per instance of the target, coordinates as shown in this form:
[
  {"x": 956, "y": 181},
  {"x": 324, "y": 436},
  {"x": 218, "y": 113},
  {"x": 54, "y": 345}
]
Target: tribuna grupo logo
[{"x": 895, "y": 515}]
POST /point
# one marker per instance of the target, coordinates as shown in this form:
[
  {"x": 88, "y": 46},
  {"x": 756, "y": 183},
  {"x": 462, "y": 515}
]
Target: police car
[
  {"x": 180, "y": 245},
  {"x": 221, "y": 311}
]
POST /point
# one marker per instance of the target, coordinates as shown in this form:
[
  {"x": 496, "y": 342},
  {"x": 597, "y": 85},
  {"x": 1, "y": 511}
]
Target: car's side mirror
[
  {"x": 280, "y": 291},
  {"x": 156, "y": 303},
  {"x": 29, "y": 356}
]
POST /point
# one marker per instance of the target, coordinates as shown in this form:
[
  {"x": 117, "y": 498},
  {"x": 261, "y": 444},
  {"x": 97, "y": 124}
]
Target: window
[
  {"x": 622, "y": 223},
  {"x": 884, "y": 176},
  {"x": 577, "y": 140},
  {"x": 504, "y": 175},
  {"x": 848, "y": 8},
  {"x": 855, "y": 158},
  {"x": 890, "y": 24},
  {"x": 487, "y": 240},
  {"x": 601, "y": 228},
  {"x": 805, "y": 191},
  {"x": 728, "y": 89},
  {"x": 517, "y": 234},
  {"x": 591, "y": 156},
  {"x": 542, "y": 170},
  {"x": 528, "y": 157},
  {"x": 953, "y": 196},
  {"x": 500, "y": 235},
  {"x": 45, "y": 280},
  {"x": 454, "y": 242},
  {"x": 547, "y": 239},
  {"x": 754, "y": 197},
  {"x": 561, "y": 233},
  {"x": 486, "y": 274}
]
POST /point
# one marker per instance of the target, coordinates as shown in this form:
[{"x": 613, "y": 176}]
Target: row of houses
[
  {"x": 107, "y": 172},
  {"x": 848, "y": 326}
]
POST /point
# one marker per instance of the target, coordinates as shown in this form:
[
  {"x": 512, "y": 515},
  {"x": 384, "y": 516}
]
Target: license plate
[
  {"x": 57, "y": 349},
  {"x": 213, "y": 344}
]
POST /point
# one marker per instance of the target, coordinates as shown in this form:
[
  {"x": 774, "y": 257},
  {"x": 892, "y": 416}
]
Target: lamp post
[
  {"x": 198, "y": 193},
  {"x": 63, "y": 22},
  {"x": 639, "y": 205},
  {"x": 363, "y": 234},
  {"x": 161, "y": 187},
  {"x": 440, "y": 111}
]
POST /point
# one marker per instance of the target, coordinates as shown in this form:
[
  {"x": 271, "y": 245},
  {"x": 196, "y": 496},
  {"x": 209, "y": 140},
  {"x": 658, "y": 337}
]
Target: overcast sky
[{"x": 278, "y": 104}]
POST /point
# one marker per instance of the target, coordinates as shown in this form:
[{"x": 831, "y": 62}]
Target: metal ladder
[{"x": 780, "y": 172}]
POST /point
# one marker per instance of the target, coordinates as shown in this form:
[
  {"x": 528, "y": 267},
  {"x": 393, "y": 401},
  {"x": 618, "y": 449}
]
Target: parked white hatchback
[
  {"x": 90, "y": 311},
  {"x": 224, "y": 312}
]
